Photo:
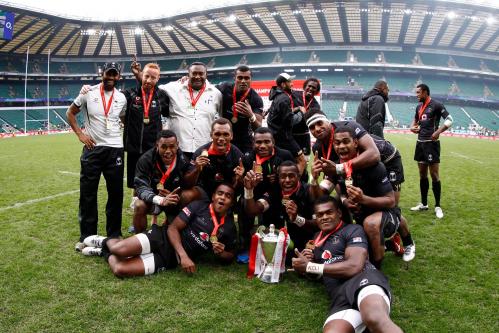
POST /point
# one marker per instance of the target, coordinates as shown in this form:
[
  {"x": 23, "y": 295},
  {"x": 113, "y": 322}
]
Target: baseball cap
[
  {"x": 111, "y": 66},
  {"x": 283, "y": 77}
]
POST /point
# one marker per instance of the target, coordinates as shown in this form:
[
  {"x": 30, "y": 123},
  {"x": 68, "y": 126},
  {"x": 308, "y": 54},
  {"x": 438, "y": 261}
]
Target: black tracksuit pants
[{"x": 109, "y": 162}]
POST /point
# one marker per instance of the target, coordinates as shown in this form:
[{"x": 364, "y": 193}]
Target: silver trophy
[{"x": 269, "y": 244}]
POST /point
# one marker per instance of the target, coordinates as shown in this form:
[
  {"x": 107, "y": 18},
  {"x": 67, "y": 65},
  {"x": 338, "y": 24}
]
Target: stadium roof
[{"x": 444, "y": 25}]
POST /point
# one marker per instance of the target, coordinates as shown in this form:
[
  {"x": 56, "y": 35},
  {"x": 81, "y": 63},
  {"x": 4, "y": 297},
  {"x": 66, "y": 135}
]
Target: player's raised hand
[
  {"x": 300, "y": 262},
  {"x": 328, "y": 167},
  {"x": 291, "y": 210},
  {"x": 355, "y": 194},
  {"x": 218, "y": 248},
  {"x": 239, "y": 170}
]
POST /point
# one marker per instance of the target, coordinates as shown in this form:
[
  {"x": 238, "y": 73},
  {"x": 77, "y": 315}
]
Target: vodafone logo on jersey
[
  {"x": 326, "y": 255},
  {"x": 204, "y": 236}
]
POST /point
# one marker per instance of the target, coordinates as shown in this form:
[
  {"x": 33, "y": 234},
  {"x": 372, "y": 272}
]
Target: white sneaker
[
  {"x": 92, "y": 251},
  {"x": 79, "y": 246},
  {"x": 439, "y": 213},
  {"x": 419, "y": 207},
  {"x": 409, "y": 252},
  {"x": 94, "y": 240}
]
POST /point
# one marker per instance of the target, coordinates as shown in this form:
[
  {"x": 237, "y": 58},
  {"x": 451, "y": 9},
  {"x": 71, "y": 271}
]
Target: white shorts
[
  {"x": 144, "y": 243},
  {"x": 353, "y": 316},
  {"x": 149, "y": 264}
]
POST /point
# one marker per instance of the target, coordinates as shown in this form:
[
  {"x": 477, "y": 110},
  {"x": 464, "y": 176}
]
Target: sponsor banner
[{"x": 6, "y": 25}]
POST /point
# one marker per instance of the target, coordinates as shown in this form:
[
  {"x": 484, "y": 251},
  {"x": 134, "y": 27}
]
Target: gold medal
[
  {"x": 204, "y": 153},
  {"x": 146, "y": 121},
  {"x": 234, "y": 120},
  {"x": 285, "y": 201},
  {"x": 349, "y": 181},
  {"x": 310, "y": 245},
  {"x": 160, "y": 186},
  {"x": 258, "y": 168},
  {"x": 213, "y": 239}
]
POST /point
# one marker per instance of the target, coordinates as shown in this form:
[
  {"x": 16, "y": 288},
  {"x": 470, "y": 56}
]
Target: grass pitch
[{"x": 45, "y": 286}]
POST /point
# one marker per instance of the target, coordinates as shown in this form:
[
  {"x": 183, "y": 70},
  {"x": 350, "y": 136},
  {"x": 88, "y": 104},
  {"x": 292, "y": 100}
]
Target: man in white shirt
[
  {"x": 194, "y": 105},
  {"x": 102, "y": 152}
]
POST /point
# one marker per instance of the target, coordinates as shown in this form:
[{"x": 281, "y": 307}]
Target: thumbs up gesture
[{"x": 300, "y": 262}]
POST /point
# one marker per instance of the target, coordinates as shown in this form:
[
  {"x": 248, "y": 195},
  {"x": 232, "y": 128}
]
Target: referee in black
[{"x": 426, "y": 126}]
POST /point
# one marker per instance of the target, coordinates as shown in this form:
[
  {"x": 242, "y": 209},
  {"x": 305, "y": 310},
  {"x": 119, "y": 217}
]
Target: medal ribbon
[
  {"x": 319, "y": 241},
  {"x": 215, "y": 221},
  {"x": 305, "y": 101},
  {"x": 331, "y": 137},
  {"x": 212, "y": 151},
  {"x": 103, "y": 98},
  {"x": 291, "y": 100},
  {"x": 168, "y": 171},
  {"x": 191, "y": 94},
  {"x": 347, "y": 166},
  {"x": 234, "y": 100},
  {"x": 261, "y": 160},
  {"x": 421, "y": 111},
  {"x": 290, "y": 193},
  {"x": 146, "y": 103}
]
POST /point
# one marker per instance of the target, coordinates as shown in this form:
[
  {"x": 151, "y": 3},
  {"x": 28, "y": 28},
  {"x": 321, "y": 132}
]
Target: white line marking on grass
[
  {"x": 69, "y": 173},
  {"x": 465, "y": 157},
  {"x": 29, "y": 202}
]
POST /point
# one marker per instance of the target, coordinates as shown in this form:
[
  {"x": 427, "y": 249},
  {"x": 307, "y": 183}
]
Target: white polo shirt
[
  {"x": 91, "y": 106},
  {"x": 192, "y": 125}
]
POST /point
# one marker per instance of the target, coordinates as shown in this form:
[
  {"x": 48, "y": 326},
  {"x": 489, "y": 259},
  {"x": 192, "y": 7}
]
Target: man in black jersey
[
  {"x": 201, "y": 227},
  {"x": 427, "y": 153},
  {"x": 306, "y": 101},
  {"x": 242, "y": 106},
  {"x": 159, "y": 180},
  {"x": 360, "y": 294},
  {"x": 217, "y": 161}
]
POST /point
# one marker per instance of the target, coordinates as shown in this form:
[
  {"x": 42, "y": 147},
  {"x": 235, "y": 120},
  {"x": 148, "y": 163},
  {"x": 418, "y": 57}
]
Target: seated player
[
  {"x": 360, "y": 294},
  {"x": 290, "y": 206},
  {"x": 201, "y": 226},
  {"x": 367, "y": 193},
  {"x": 159, "y": 180},
  {"x": 217, "y": 161}
]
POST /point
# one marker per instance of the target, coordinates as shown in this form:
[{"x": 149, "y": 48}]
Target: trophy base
[{"x": 267, "y": 275}]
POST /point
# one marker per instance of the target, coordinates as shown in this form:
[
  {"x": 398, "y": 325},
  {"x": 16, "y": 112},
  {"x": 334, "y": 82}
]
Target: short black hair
[
  {"x": 345, "y": 129},
  {"x": 221, "y": 121},
  {"x": 325, "y": 199},
  {"x": 288, "y": 164},
  {"x": 263, "y": 130},
  {"x": 424, "y": 87},
  {"x": 312, "y": 112},
  {"x": 313, "y": 79},
  {"x": 380, "y": 84},
  {"x": 197, "y": 63},
  {"x": 166, "y": 134},
  {"x": 242, "y": 68}
]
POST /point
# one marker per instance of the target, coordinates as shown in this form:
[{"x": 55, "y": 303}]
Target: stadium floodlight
[
  {"x": 490, "y": 20},
  {"x": 451, "y": 15},
  {"x": 194, "y": 24},
  {"x": 168, "y": 28},
  {"x": 323, "y": 69},
  {"x": 138, "y": 31},
  {"x": 232, "y": 18},
  {"x": 110, "y": 32},
  {"x": 407, "y": 11},
  {"x": 289, "y": 70}
]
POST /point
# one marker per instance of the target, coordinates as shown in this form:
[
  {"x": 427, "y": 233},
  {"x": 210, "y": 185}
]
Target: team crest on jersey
[
  {"x": 204, "y": 236},
  {"x": 430, "y": 157},
  {"x": 96, "y": 100},
  {"x": 137, "y": 98},
  {"x": 363, "y": 282},
  {"x": 153, "y": 104},
  {"x": 356, "y": 239},
  {"x": 119, "y": 161},
  {"x": 326, "y": 255},
  {"x": 186, "y": 211},
  {"x": 424, "y": 117},
  {"x": 336, "y": 239},
  {"x": 357, "y": 130}
]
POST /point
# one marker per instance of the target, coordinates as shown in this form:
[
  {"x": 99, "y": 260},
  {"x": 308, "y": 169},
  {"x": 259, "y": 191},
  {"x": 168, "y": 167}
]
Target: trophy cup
[{"x": 269, "y": 244}]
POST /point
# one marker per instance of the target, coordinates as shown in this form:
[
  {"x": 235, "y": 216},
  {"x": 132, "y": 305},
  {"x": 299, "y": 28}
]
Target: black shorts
[
  {"x": 395, "y": 171},
  {"x": 390, "y": 222},
  {"x": 427, "y": 152},
  {"x": 164, "y": 253},
  {"x": 288, "y": 143},
  {"x": 131, "y": 163},
  {"x": 345, "y": 296}
]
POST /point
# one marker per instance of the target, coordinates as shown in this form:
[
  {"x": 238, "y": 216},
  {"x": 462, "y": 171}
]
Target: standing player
[
  {"x": 371, "y": 113},
  {"x": 242, "y": 106},
  {"x": 306, "y": 101},
  {"x": 102, "y": 152},
  {"x": 427, "y": 153},
  {"x": 360, "y": 294}
]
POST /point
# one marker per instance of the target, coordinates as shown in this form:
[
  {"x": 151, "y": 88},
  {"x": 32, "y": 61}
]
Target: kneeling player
[
  {"x": 200, "y": 227},
  {"x": 360, "y": 294}
]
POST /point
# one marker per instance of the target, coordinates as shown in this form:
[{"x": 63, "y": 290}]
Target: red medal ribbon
[
  {"x": 291, "y": 100},
  {"x": 215, "y": 221},
  {"x": 252, "y": 256},
  {"x": 421, "y": 111},
  {"x": 212, "y": 151},
  {"x": 146, "y": 103},
  {"x": 305, "y": 101},
  {"x": 319, "y": 241},
  {"x": 168, "y": 171},
  {"x": 191, "y": 94},
  {"x": 234, "y": 100},
  {"x": 261, "y": 160},
  {"x": 331, "y": 137},
  {"x": 103, "y": 98},
  {"x": 347, "y": 166},
  {"x": 290, "y": 193}
]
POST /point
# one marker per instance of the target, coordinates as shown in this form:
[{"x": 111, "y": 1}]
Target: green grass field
[{"x": 451, "y": 286}]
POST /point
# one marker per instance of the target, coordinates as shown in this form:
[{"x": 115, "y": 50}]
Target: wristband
[
  {"x": 314, "y": 268},
  {"x": 253, "y": 118},
  {"x": 340, "y": 169},
  {"x": 299, "y": 221},
  {"x": 157, "y": 200},
  {"x": 343, "y": 198},
  {"x": 248, "y": 193}
]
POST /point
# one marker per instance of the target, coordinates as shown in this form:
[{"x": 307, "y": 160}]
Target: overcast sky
[{"x": 113, "y": 10}]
